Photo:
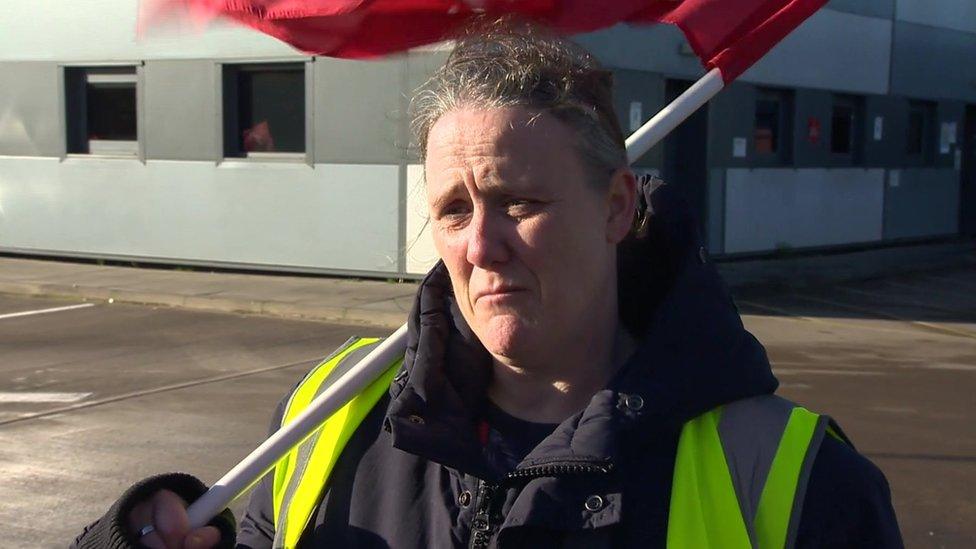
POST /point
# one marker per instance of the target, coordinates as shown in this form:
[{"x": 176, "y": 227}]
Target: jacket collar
[{"x": 693, "y": 354}]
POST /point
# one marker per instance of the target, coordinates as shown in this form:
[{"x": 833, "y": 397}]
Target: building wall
[
  {"x": 330, "y": 217},
  {"x": 933, "y": 62},
  {"x": 832, "y": 50},
  {"x": 949, "y": 14},
  {"x": 30, "y": 107},
  {"x": 783, "y": 208},
  {"x": 105, "y": 30},
  {"x": 190, "y": 88},
  {"x": 884, "y": 9},
  {"x": 355, "y": 201},
  {"x": 341, "y": 209},
  {"x": 360, "y": 111},
  {"x": 638, "y": 96},
  {"x": 921, "y": 202}
]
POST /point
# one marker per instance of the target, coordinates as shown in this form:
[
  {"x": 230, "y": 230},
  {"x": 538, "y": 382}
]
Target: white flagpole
[{"x": 260, "y": 461}]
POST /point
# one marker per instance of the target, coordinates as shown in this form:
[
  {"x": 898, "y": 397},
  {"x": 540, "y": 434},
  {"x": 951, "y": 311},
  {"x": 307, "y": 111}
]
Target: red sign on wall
[{"x": 813, "y": 130}]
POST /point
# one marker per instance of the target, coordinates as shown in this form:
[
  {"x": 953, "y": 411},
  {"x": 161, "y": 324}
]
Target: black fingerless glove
[{"x": 112, "y": 530}]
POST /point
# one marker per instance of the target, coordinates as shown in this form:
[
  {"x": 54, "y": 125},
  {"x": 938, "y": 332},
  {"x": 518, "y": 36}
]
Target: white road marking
[
  {"x": 6, "y": 398},
  {"x": 821, "y": 371},
  {"x": 895, "y": 409},
  {"x": 948, "y": 366},
  {"x": 794, "y": 386},
  {"x": 44, "y": 311},
  {"x": 792, "y": 366}
]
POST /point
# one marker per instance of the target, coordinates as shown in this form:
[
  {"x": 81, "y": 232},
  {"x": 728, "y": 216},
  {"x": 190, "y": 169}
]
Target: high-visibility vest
[{"x": 739, "y": 478}]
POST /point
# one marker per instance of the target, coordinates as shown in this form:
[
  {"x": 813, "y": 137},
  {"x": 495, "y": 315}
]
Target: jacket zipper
[
  {"x": 557, "y": 469},
  {"x": 481, "y": 524}
]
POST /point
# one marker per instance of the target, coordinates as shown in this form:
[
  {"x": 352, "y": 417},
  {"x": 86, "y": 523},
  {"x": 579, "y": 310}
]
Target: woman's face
[{"x": 528, "y": 241}]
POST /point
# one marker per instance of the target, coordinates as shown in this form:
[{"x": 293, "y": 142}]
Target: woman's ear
[{"x": 621, "y": 204}]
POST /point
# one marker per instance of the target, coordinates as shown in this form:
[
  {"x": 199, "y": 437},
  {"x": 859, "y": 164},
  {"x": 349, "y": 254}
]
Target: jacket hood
[{"x": 693, "y": 353}]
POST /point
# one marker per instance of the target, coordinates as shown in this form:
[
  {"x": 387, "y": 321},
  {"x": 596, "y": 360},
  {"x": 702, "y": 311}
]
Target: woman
[{"x": 561, "y": 360}]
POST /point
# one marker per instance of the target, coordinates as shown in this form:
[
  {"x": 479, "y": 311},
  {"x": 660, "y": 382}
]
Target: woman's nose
[{"x": 486, "y": 241}]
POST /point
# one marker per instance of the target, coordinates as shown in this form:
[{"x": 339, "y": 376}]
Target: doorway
[{"x": 685, "y": 157}]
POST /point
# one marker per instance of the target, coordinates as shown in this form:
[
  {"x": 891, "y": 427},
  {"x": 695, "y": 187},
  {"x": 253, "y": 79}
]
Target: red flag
[{"x": 730, "y": 35}]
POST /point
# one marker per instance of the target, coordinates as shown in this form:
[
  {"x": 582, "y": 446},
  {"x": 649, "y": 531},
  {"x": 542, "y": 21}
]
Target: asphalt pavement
[{"x": 96, "y": 395}]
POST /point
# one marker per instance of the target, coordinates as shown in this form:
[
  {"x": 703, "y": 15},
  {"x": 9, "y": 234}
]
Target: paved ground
[{"x": 159, "y": 389}]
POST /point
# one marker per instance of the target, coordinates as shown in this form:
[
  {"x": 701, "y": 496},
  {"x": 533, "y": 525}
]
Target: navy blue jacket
[
  {"x": 400, "y": 483},
  {"x": 408, "y": 483}
]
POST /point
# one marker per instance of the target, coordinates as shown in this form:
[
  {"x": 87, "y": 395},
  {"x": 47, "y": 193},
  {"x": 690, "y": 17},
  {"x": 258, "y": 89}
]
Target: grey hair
[{"x": 504, "y": 63}]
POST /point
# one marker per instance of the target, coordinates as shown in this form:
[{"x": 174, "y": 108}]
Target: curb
[
  {"x": 349, "y": 315},
  {"x": 387, "y": 313}
]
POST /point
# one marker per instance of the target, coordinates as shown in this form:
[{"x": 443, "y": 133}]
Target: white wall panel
[
  {"x": 105, "y": 30},
  {"x": 773, "y": 208},
  {"x": 951, "y": 14},
  {"x": 341, "y": 217},
  {"x": 421, "y": 254}
]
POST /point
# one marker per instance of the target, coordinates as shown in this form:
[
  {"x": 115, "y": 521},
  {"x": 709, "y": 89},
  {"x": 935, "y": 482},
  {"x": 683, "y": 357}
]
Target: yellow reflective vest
[{"x": 739, "y": 479}]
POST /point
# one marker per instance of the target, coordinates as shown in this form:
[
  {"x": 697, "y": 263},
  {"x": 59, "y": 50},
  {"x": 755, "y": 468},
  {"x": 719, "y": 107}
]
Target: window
[
  {"x": 920, "y": 133},
  {"x": 264, "y": 110},
  {"x": 101, "y": 111},
  {"x": 845, "y": 123},
  {"x": 773, "y": 126}
]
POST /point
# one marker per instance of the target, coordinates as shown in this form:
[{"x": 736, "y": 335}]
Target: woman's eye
[
  {"x": 455, "y": 211},
  {"x": 519, "y": 206}
]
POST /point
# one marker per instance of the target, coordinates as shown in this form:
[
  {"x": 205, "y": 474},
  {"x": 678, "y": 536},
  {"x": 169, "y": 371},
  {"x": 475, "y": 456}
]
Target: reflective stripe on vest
[
  {"x": 739, "y": 478},
  {"x": 740, "y": 474},
  {"x": 301, "y": 476}
]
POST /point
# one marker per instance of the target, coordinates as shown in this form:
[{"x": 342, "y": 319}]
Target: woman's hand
[{"x": 166, "y": 513}]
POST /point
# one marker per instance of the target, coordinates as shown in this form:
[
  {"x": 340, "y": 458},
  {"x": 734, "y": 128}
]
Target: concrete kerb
[
  {"x": 349, "y": 315},
  {"x": 390, "y": 310}
]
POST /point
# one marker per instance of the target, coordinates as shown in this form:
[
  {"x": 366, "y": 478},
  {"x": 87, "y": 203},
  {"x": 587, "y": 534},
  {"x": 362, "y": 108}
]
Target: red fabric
[
  {"x": 730, "y": 35},
  {"x": 483, "y": 429}
]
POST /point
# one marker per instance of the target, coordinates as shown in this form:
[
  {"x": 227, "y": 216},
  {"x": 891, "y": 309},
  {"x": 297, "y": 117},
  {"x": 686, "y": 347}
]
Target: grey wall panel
[
  {"x": 340, "y": 217},
  {"x": 921, "y": 202},
  {"x": 831, "y": 50},
  {"x": 874, "y": 8},
  {"x": 420, "y": 66},
  {"x": 774, "y": 208},
  {"x": 105, "y": 30},
  {"x": 30, "y": 109},
  {"x": 358, "y": 109},
  {"x": 656, "y": 48},
  {"x": 181, "y": 110},
  {"x": 812, "y": 107},
  {"x": 929, "y": 62},
  {"x": 951, "y": 14},
  {"x": 889, "y": 150},
  {"x": 731, "y": 115},
  {"x": 647, "y": 90}
]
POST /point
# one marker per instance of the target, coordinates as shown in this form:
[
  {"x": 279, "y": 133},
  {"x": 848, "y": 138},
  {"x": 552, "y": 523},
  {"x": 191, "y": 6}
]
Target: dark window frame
[
  {"x": 921, "y": 141},
  {"x": 90, "y": 87},
  {"x": 237, "y": 113},
  {"x": 781, "y": 101},
  {"x": 853, "y": 151}
]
